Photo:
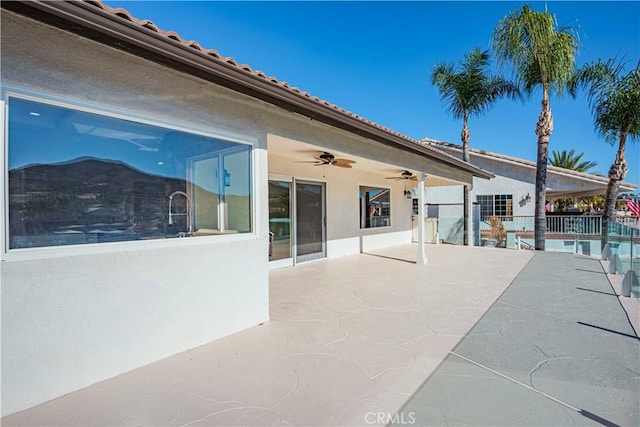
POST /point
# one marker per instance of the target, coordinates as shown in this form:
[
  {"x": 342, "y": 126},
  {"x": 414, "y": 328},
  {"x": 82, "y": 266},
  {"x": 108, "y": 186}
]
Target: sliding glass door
[{"x": 310, "y": 221}]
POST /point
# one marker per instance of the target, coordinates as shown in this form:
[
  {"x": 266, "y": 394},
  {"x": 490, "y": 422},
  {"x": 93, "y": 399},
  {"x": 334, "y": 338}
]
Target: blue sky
[{"x": 375, "y": 59}]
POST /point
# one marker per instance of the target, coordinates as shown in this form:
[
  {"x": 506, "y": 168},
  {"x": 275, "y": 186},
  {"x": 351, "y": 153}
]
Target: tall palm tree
[
  {"x": 469, "y": 91},
  {"x": 569, "y": 160},
  {"x": 543, "y": 56},
  {"x": 615, "y": 102}
]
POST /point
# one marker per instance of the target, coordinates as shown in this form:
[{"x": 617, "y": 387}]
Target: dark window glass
[
  {"x": 486, "y": 206},
  {"x": 78, "y": 177},
  {"x": 500, "y": 205},
  {"x": 504, "y": 205}
]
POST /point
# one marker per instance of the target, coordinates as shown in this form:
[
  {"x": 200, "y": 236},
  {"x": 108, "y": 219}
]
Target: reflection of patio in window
[
  {"x": 77, "y": 177},
  {"x": 375, "y": 207},
  {"x": 280, "y": 219}
]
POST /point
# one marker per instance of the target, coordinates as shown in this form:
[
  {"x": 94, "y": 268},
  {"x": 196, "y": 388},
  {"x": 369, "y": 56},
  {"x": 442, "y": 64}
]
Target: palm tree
[
  {"x": 542, "y": 56},
  {"x": 470, "y": 91},
  {"x": 615, "y": 102},
  {"x": 569, "y": 160}
]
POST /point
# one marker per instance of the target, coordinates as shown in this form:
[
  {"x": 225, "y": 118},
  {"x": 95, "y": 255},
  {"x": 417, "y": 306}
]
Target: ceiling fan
[
  {"x": 404, "y": 175},
  {"x": 329, "y": 159}
]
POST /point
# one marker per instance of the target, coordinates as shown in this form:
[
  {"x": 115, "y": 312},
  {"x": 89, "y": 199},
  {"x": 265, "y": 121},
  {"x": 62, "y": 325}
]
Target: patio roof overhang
[
  {"x": 583, "y": 192},
  {"x": 568, "y": 183},
  {"x": 92, "y": 21},
  {"x": 297, "y": 152}
]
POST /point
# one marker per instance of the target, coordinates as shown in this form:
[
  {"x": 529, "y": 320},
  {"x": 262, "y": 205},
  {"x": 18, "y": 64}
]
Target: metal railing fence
[{"x": 583, "y": 224}]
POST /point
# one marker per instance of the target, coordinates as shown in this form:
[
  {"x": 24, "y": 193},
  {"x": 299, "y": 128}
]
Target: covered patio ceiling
[
  {"x": 301, "y": 152},
  {"x": 592, "y": 190}
]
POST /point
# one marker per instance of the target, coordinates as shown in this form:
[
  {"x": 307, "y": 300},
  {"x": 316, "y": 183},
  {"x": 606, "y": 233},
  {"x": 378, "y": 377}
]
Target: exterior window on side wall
[
  {"x": 504, "y": 205},
  {"x": 375, "y": 207},
  {"x": 500, "y": 205},
  {"x": 77, "y": 177}
]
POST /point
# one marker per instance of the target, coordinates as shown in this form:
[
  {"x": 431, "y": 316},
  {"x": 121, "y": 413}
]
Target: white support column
[
  {"x": 422, "y": 256},
  {"x": 470, "y": 216}
]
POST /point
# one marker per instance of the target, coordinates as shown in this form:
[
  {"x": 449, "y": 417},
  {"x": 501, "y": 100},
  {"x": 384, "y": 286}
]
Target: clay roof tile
[{"x": 123, "y": 13}]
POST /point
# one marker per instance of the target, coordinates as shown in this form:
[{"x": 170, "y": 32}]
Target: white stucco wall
[
  {"x": 72, "y": 317},
  {"x": 72, "y": 321},
  {"x": 508, "y": 180},
  {"x": 515, "y": 181}
]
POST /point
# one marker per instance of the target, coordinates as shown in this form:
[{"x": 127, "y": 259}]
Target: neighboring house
[
  {"x": 511, "y": 194},
  {"x": 149, "y": 182}
]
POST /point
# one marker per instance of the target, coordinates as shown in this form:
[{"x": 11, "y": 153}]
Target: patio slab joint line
[{"x": 582, "y": 412}]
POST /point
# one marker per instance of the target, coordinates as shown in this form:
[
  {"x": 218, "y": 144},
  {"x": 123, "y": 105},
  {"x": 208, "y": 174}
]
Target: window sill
[{"x": 47, "y": 252}]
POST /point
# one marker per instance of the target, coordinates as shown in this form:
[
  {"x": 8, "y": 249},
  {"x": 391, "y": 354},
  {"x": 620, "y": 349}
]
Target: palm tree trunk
[
  {"x": 544, "y": 129},
  {"x": 617, "y": 172},
  {"x": 465, "y": 136}
]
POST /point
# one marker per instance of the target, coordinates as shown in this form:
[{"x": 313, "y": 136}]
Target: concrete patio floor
[
  {"x": 556, "y": 349},
  {"x": 349, "y": 342}
]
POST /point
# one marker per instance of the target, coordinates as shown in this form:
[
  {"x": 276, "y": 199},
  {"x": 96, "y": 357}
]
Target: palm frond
[
  {"x": 539, "y": 53},
  {"x": 470, "y": 89},
  {"x": 571, "y": 160},
  {"x": 614, "y": 97}
]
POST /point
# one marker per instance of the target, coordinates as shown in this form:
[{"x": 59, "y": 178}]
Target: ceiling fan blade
[
  {"x": 344, "y": 161},
  {"x": 414, "y": 178},
  {"x": 342, "y": 165}
]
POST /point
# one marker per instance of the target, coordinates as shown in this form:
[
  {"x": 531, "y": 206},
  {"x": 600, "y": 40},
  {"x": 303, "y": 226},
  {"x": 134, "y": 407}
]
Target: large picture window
[
  {"x": 500, "y": 205},
  {"x": 375, "y": 207},
  {"x": 77, "y": 177}
]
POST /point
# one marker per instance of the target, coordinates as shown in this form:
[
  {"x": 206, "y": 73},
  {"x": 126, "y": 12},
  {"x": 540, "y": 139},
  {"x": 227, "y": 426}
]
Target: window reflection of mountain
[{"x": 49, "y": 199}]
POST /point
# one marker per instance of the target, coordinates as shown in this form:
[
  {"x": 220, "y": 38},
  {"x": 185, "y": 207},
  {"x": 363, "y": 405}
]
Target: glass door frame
[
  {"x": 316, "y": 255},
  {"x": 286, "y": 261}
]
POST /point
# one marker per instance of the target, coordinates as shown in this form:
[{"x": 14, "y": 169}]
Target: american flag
[{"x": 633, "y": 207}]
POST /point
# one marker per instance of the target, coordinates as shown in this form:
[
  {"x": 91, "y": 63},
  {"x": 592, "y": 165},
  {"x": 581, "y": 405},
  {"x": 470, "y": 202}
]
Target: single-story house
[
  {"x": 150, "y": 184},
  {"x": 510, "y": 195}
]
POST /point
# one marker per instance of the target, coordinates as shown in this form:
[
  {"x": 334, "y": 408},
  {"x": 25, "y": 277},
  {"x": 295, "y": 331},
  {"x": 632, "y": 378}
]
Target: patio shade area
[{"x": 350, "y": 338}]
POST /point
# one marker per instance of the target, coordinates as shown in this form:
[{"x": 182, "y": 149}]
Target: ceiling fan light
[{"x": 327, "y": 157}]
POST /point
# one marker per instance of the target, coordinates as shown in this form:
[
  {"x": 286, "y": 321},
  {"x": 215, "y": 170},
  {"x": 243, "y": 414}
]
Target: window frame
[
  {"x": 43, "y": 252},
  {"x": 494, "y": 201},
  {"x": 377, "y": 187}
]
